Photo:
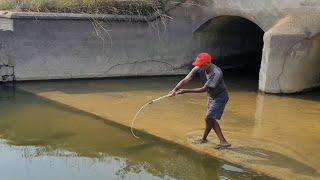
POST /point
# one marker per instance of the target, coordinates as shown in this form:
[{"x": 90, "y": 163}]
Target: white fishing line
[{"x": 142, "y": 107}]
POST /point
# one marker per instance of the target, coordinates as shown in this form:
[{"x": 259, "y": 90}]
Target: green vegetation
[{"x": 130, "y": 7}]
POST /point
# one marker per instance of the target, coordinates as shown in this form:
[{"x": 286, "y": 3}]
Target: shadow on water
[
  {"x": 276, "y": 159},
  {"x": 241, "y": 79},
  {"x": 236, "y": 80},
  {"x": 44, "y": 129},
  {"x": 312, "y": 95},
  {"x": 121, "y": 84},
  {"x": 246, "y": 80}
]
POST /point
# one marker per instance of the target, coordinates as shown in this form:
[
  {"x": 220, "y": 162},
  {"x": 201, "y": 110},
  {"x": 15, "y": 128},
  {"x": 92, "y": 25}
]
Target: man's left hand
[{"x": 181, "y": 91}]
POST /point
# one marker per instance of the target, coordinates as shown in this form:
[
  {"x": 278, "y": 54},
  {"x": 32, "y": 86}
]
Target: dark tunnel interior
[{"x": 234, "y": 42}]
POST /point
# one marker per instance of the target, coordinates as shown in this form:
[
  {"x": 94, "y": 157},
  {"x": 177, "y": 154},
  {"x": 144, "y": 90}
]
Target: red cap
[{"x": 202, "y": 58}]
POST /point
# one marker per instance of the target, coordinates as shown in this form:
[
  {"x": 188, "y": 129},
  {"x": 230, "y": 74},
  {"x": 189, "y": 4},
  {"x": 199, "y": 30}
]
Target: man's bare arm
[
  {"x": 185, "y": 80},
  {"x": 195, "y": 90}
]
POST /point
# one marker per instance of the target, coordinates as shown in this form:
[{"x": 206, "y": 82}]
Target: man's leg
[
  {"x": 205, "y": 134},
  {"x": 217, "y": 129},
  {"x": 207, "y": 130}
]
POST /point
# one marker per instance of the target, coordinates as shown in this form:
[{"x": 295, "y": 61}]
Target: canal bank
[{"x": 265, "y": 130}]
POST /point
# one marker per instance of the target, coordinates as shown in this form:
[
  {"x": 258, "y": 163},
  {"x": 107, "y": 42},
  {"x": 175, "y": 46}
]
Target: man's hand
[
  {"x": 181, "y": 91},
  {"x": 172, "y": 93}
]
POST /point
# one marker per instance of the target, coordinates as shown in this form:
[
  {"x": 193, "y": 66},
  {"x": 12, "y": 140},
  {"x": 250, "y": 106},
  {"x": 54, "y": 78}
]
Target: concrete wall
[
  {"x": 264, "y": 13},
  {"x": 288, "y": 25},
  {"x": 54, "y": 46},
  {"x": 66, "y": 48}
]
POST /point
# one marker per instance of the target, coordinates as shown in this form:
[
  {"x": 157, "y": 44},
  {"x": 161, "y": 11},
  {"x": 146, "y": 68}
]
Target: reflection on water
[{"x": 41, "y": 140}]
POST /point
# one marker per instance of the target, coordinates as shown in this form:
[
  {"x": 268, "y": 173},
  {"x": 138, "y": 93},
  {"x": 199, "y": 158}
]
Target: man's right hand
[{"x": 172, "y": 93}]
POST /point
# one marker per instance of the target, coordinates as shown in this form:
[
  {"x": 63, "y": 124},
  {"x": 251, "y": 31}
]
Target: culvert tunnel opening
[{"x": 235, "y": 43}]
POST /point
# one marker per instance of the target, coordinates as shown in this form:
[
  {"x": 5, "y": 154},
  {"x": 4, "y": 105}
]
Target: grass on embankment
[{"x": 129, "y": 7}]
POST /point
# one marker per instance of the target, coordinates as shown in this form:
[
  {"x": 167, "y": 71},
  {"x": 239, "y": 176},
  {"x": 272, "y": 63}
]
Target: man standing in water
[{"x": 213, "y": 84}]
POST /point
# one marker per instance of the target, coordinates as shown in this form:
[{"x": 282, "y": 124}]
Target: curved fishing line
[{"x": 142, "y": 107}]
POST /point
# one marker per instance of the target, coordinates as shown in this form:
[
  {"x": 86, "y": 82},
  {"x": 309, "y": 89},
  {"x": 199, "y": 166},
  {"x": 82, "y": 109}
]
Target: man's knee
[{"x": 210, "y": 120}]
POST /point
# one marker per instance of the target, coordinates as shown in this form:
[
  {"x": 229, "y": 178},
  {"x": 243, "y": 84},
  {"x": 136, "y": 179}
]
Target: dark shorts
[{"x": 216, "y": 105}]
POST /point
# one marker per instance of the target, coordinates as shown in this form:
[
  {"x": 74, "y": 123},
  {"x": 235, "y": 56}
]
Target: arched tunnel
[{"x": 234, "y": 42}]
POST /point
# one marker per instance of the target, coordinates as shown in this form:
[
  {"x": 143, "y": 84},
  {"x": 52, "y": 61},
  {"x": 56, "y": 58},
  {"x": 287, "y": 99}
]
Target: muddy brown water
[
  {"x": 276, "y": 135},
  {"x": 41, "y": 140}
]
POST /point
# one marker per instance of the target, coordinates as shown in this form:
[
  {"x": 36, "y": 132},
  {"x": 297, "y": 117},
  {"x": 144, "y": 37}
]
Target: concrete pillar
[{"x": 291, "y": 60}]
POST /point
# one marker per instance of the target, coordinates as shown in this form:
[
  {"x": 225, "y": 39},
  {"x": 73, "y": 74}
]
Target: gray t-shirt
[{"x": 214, "y": 80}]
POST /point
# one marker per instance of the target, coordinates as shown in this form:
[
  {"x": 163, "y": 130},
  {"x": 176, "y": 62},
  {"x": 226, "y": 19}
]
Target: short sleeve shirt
[{"x": 214, "y": 80}]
